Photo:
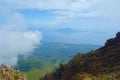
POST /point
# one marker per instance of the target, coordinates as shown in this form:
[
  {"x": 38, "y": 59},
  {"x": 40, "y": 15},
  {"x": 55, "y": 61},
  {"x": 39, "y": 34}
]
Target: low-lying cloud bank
[
  {"x": 14, "y": 43},
  {"x": 15, "y": 38}
]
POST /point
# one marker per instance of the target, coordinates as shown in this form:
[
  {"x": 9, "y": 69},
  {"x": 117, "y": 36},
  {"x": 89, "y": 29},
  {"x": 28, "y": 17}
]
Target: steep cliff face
[
  {"x": 8, "y": 73},
  {"x": 101, "y": 64}
]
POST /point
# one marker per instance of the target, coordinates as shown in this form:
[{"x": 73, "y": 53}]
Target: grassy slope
[
  {"x": 36, "y": 73},
  {"x": 48, "y": 56}
]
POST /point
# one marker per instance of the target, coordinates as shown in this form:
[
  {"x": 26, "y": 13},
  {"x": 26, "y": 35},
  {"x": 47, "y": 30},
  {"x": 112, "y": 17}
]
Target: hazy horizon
[{"x": 25, "y": 23}]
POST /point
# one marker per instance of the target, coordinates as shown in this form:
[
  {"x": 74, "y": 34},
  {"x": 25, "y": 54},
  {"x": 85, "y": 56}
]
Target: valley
[{"x": 47, "y": 57}]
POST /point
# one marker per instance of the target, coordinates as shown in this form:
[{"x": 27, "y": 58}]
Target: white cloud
[
  {"x": 47, "y": 4},
  {"x": 14, "y": 43},
  {"x": 110, "y": 9},
  {"x": 67, "y": 10},
  {"x": 14, "y": 37},
  {"x": 71, "y": 8},
  {"x": 93, "y": 15}
]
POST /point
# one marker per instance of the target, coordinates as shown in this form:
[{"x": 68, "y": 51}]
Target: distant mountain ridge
[
  {"x": 101, "y": 64},
  {"x": 48, "y": 49}
]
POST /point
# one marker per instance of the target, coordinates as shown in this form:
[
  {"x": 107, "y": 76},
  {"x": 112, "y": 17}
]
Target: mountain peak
[
  {"x": 118, "y": 35},
  {"x": 113, "y": 41}
]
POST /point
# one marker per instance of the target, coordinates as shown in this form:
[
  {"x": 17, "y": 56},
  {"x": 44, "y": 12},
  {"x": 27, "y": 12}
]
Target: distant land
[
  {"x": 47, "y": 56},
  {"x": 48, "y": 49}
]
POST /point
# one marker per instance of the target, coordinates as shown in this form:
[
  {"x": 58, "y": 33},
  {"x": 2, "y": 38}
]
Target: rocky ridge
[
  {"x": 101, "y": 64},
  {"x": 8, "y": 73}
]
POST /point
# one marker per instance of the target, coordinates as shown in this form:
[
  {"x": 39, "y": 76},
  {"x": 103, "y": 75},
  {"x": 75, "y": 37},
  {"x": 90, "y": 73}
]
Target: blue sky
[
  {"x": 87, "y": 21},
  {"x": 26, "y": 23}
]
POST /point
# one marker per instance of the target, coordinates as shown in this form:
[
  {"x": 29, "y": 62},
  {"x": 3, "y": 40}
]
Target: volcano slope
[{"x": 101, "y": 64}]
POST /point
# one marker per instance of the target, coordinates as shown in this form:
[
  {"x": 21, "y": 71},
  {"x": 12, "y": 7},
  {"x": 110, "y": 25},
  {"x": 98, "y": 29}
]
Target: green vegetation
[
  {"x": 36, "y": 68},
  {"x": 47, "y": 57},
  {"x": 16, "y": 78},
  {"x": 36, "y": 73},
  {"x": 25, "y": 64}
]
